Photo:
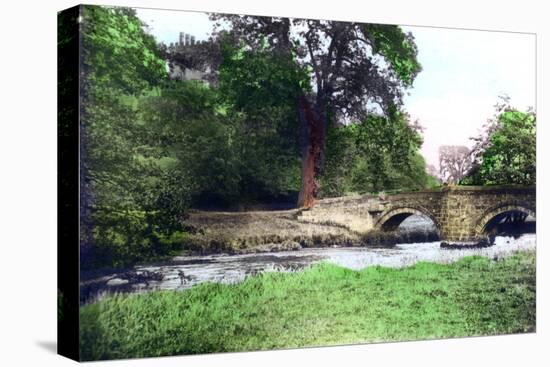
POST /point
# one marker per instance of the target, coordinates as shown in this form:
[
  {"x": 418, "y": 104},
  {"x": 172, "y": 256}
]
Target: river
[{"x": 235, "y": 268}]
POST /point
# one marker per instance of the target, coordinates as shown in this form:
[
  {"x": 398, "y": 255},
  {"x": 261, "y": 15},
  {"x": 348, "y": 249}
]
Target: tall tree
[{"x": 355, "y": 69}]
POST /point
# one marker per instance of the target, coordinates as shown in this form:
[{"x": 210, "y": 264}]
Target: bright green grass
[{"x": 322, "y": 305}]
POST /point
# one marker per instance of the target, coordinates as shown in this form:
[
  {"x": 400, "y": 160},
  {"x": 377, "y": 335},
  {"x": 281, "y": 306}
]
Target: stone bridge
[{"x": 461, "y": 214}]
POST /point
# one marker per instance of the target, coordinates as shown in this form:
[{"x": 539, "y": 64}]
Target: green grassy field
[{"x": 323, "y": 305}]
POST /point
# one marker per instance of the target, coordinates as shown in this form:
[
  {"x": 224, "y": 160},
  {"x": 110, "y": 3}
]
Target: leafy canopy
[
  {"x": 121, "y": 54},
  {"x": 342, "y": 58},
  {"x": 506, "y": 153}
]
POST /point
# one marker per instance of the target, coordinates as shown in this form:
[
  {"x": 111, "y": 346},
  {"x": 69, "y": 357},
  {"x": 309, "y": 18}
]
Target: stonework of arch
[
  {"x": 491, "y": 213},
  {"x": 390, "y": 219},
  {"x": 460, "y": 213}
]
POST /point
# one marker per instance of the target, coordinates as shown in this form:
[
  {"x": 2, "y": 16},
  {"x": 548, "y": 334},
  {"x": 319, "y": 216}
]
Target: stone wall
[
  {"x": 353, "y": 213},
  {"x": 466, "y": 210},
  {"x": 459, "y": 212}
]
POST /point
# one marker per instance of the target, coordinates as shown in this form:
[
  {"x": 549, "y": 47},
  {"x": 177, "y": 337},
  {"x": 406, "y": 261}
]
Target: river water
[{"x": 235, "y": 268}]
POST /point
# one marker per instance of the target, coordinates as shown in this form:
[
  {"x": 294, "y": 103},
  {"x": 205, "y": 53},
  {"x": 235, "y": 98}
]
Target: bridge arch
[
  {"x": 391, "y": 218},
  {"x": 494, "y": 215}
]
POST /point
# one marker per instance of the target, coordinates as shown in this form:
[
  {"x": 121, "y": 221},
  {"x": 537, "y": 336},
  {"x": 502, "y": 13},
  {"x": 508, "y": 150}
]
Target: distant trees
[
  {"x": 505, "y": 153},
  {"x": 377, "y": 154},
  {"x": 454, "y": 162}
]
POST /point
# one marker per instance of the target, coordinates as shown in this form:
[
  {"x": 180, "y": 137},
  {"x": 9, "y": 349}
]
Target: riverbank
[
  {"x": 322, "y": 305},
  {"x": 270, "y": 231}
]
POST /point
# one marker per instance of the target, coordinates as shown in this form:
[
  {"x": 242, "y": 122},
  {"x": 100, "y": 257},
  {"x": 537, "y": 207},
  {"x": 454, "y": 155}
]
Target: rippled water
[{"x": 235, "y": 268}]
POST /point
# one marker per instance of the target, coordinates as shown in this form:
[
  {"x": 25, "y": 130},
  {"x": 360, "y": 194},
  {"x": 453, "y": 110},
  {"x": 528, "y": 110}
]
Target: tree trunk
[{"x": 313, "y": 127}]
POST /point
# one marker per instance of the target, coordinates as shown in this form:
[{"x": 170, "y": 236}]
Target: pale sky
[{"x": 463, "y": 74}]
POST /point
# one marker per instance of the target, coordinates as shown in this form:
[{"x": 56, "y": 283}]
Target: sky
[{"x": 464, "y": 72}]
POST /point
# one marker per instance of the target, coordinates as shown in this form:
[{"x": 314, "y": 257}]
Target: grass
[{"x": 322, "y": 305}]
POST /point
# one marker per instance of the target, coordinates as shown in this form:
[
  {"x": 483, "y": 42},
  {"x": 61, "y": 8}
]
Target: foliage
[
  {"x": 119, "y": 52},
  {"x": 506, "y": 153},
  {"x": 323, "y": 305},
  {"x": 398, "y": 49},
  {"x": 130, "y": 199},
  {"x": 237, "y": 141},
  {"x": 340, "y": 57},
  {"x": 262, "y": 88},
  {"x": 154, "y": 147},
  {"x": 255, "y": 79},
  {"x": 378, "y": 154},
  {"x": 354, "y": 69}
]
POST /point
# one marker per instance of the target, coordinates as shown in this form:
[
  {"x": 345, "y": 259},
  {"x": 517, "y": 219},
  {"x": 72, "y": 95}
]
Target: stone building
[{"x": 186, "y": 43}]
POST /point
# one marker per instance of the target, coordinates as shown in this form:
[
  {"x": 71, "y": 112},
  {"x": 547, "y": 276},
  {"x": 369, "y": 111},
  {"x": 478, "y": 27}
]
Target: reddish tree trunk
[{"x": 312, "y": 152}]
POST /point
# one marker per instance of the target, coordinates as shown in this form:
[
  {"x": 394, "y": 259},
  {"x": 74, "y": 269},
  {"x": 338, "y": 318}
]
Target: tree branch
[{"x": 313, "y": 62}]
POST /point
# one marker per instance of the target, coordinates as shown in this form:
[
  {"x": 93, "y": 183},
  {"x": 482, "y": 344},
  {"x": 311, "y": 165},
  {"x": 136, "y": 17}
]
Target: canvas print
[{"x": 234, "y": 183}]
